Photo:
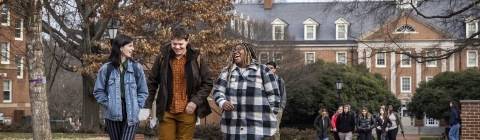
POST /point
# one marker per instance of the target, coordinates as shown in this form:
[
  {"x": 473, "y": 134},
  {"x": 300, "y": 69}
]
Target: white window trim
[
  {"x": 10, "y": 86},
  {"x": 21, "y": 30},
  {"x": 260, "y": 57},
  {"x": 436, "y": 122},
  {"x": 307, "y": 59},
  {"x": 428, "y": 77},
  {"x": 21, "y": 67},
  {"x": 275, "y": 60},
  {"x": 467, "y": 35},
  {"x": 401, "y": 84},
  {"x": 7, "y": 120},
  {"x": 434, "y": 62},
  {"x": 406, "y": 32},
  {"x": 314, "y": 36},
  {"x": 409, "y": 60},
  {"x": 337, "y": 32},
  {"x": 476, "y": 58},
  {"x": 282, "y": 27},
  {"x": 8, "y": 15},
  {"x": 338, "y": 57},
  {"x": 8, "y": 53},
  {"x": 376, "y": 60}
]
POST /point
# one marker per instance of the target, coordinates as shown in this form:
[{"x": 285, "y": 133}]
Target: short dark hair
[
  {"x": 272, "y": 63},
  {"x": 179, "y": 33}
]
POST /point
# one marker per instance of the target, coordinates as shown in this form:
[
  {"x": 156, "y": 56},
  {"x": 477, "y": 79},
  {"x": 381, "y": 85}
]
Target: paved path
[{"x": 413, "y": 137}]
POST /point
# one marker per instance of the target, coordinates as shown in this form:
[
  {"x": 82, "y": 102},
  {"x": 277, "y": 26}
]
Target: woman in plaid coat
[{"x": 249, "y": 96}]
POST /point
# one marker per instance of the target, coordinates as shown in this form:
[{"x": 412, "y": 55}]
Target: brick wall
[{"x": 470, "y": 119}]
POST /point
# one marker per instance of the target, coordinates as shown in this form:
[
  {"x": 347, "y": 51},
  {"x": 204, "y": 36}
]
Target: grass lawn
[{"x": 7, "y": 135}]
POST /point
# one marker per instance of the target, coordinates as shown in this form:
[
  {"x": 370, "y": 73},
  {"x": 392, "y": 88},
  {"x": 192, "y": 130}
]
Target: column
[
  {"x": 393, "y": 71},
  {"x": 360, "y": 55},
  {"x": 452, "y": 62},
  {"x": 444, "y": 62},
  {"x": 368, "y": 59},
  {"x": 418, "y": 67}
]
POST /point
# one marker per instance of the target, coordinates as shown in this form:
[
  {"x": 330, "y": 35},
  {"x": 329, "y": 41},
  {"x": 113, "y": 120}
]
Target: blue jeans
[
  {"x": 322, "y": 139},
  {"x": 453, "y": 134}
]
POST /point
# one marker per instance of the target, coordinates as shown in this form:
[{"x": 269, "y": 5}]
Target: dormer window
[
  {"x": 278, "y": 27},
  {"x": 405, "y": 29},
  {"x": 471, "y": 27},
  {"x": 341, "y": 29},
  {"x": 406, "y": 4},
  {"x": 310, "y": 29}
]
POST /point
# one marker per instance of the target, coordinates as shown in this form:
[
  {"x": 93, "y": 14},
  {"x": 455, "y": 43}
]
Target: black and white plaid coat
[{"x": 256, "y": 100}]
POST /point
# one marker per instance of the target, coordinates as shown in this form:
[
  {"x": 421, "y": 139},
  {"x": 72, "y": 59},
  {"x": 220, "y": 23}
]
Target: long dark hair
[
  {"x": 454, "y": 106},
  {"x": 115, "y": 54}
]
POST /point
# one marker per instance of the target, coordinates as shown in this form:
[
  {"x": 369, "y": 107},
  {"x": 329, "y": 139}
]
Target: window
[
  {"x": 381, "y": 62},
  {"x": 429, "y": 78},
  {"x": 472, "y": 28},
  {"x": 430, "y": 121},
  {"x": 405, "y": 29},
  {"x": 263, "y": 57},
  {"x": 405, "y": 60},
  {"x": 278, "y": 29},
  {"x": 342, "y": 57},
  {"x": 405, "y": 113},
  {"x": 18, "y": 29},
  {"x": 341, "y": 29},
  {"x": 406, "y": 4},
  {"x": 309, "y": 31},
  {"x": 309, "y": 57},
  {"x": 5, "y": 15},
  {"x": 7, "y": 91},
  {"x": 5, "y": 53},
  {"x": 430, "y": 61},
  {"x": 406, "y": 84},
  {"x": 472, "y": 59},
  {"x": 277, "y": 58},
  {"x": 278, "y": 32},
  {"x": 7, "y": 120},
  {"x": 19, "y": 64}
]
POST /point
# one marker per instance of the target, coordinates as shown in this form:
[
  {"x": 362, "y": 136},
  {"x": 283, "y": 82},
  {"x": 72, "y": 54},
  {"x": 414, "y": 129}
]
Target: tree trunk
[
  {"x": 90, "y": 115},
  {"x": 36, "y": 70}
]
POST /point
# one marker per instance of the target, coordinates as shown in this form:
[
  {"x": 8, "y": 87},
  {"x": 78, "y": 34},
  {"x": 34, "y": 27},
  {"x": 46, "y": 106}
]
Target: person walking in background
[
  {"x": 365, "y": 124},
  {"x": 248, "y": 93},
  {"x": 322, "y": 124},
  {"x": 119, "y": 91},
  {"x": 334, "y": 122},
  {"x": 377, "y": 131},
  {"x": 454, "y": 121},
  {"x": 345, "y": 124},
  {"x": 382, "y": 123},
  {"x": 396, "y": 122},
  {"x": 181, "y": 78},
  {"x": 283, "y": 96}
]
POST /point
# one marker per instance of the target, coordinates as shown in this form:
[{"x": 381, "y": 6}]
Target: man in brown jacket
[{"x": 183, "y": 81}]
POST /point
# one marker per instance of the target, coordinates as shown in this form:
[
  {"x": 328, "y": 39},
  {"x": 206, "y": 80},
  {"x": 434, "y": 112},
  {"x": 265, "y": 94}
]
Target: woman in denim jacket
[{"x": 121, "y": 94}]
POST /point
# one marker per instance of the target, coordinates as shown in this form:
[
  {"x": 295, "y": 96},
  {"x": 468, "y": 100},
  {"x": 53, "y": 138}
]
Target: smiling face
[
  {"x": 239, "y": 56},
  {"x": 179, "y": 46},
  {"x": 126, "y": 51},
  {"x": 340, "y": 110},
  {"x": 272, "y": 68},
  {"x": 364, "y": 112}
]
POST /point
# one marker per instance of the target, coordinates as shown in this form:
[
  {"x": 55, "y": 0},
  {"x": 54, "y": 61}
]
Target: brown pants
[
  {"x": 279, "y": 119},
  {"x": 179, "y": 126}
]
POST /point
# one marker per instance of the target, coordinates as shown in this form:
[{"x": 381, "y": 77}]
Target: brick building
[
  {"x": 384, "y": 42},
  {"x": 15, "y": 96}
]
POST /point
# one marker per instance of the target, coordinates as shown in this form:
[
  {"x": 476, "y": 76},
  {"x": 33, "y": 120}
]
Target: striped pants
[{"x": 119, "y": 130}]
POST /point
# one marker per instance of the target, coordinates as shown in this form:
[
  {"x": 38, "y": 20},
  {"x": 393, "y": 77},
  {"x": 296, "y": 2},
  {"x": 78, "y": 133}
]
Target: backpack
[{"x": 110, "y": 68}]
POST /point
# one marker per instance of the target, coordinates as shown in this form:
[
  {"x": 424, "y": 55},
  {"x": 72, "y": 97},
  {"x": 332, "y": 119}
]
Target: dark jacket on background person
[
  {"x": 345, "y": 122},
  {"x": 454, "y": 117},
  {"x": 199, "y": 82},
  {"x": 365, "y": 124},
  {"x": 322, "y": 126}
]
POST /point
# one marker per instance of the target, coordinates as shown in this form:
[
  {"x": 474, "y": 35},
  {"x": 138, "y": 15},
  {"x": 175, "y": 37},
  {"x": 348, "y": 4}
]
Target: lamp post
[
  {"x": 339, "y": 85},
  {"x": 112, "y": 32}
]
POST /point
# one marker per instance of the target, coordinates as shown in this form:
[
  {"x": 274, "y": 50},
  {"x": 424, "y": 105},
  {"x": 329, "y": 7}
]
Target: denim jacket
[{"x": 135, "y": 93}]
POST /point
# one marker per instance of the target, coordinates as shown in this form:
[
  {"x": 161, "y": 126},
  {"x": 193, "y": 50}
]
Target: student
[
  {"x": 122, "y": 95},
  {"x": 383, "y": 123},
  {"x": 396, "y": 122},
  {"x": 454, "y": 121},
  {"x": 322, "y": 125},
  {"x": 183, "y": 81},
  {"x": 283, "y": 96},
  {"x": 365, "y": 124},
  {"x": 334, "y": 122},
  {"x": 248, "y": 93}
]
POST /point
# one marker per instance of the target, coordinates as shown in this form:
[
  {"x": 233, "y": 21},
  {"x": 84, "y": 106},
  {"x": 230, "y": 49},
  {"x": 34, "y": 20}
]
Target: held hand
[
  {"x": 151, "y": 115},
  {"x": 190, "y": 108},
  {"x": 334, "y": 129},
  {"x": 386, "y": 129},
  {"x": 227, "y": 106},
  {"x": 379, "y": 128}
]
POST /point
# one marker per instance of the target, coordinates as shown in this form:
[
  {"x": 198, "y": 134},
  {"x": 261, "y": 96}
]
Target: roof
[{"x": 362, "y": 20}]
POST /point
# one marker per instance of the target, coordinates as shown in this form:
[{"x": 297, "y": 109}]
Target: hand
[
  {"x": 227, "y": 106},
  {"x": 190, "y": 108},
  {"x": 151, "y": 115},
  {"x": 401, "y": 131},
  {"x": 379, "y": 128},
  {"x": 334, "y": 129},
  {"x": 386, "y": 129}
]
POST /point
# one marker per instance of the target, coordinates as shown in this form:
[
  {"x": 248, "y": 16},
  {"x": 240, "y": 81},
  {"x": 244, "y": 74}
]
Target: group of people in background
[
  {"x": 345, "y": 122},
  {"x": 252, "y": 97}
]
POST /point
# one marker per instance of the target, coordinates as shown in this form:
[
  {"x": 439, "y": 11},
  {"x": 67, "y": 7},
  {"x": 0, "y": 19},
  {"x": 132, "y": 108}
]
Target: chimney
[{"x": 267, "y": 4}]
